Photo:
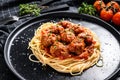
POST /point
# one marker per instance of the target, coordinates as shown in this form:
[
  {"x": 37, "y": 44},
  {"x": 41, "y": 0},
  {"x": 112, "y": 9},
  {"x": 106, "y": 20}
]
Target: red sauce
[{"x": 68, "y": 40}]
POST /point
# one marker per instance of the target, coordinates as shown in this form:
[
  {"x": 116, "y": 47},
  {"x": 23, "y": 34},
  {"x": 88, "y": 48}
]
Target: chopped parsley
[
  {"x": 32, "y": 9},
  {"x": 87, "y": 9},
  {"x": 54, "y": 46}
]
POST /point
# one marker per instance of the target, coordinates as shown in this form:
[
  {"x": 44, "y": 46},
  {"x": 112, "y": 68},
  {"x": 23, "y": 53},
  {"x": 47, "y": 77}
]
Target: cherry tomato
[
  {"x": 99, "y": 4},
  {"x": 116, "y": 19},
  {"x": 106, "y": 14},
  {"x": 114, "y": 5}
]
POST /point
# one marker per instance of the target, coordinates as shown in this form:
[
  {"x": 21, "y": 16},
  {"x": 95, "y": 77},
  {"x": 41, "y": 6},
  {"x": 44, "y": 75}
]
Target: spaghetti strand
[{"x": 72, "y": 65}]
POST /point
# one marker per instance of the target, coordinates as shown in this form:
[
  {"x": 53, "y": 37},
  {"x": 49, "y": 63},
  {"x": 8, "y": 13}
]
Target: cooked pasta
[{"x": 65, "y": 46}]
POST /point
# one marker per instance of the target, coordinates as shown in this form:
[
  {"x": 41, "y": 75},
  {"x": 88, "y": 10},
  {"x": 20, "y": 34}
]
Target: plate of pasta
[{"x": 63, "y": 46}]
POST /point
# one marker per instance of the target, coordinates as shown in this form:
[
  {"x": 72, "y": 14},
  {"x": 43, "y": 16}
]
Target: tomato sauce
[{"x": 66, "y": 40}]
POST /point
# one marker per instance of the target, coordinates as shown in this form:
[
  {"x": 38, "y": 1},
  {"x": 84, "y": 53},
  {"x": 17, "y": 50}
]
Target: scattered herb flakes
[{"x": 54, "y": 46}]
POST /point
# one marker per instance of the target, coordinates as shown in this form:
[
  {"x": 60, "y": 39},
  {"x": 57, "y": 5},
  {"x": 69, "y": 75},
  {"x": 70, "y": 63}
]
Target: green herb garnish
[
  {"x": 71, "y": 30},
  {"x": 29, "y": 9},
  {"x": 54, "y": 46},
  {"x": 87, "y": 9}
]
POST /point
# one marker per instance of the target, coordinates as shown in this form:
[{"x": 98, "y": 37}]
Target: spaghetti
[{"x": 65, "y": 46}]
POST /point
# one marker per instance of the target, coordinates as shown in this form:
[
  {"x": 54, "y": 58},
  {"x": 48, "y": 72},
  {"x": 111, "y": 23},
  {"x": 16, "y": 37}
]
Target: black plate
[{"x": 16, "y": 52}]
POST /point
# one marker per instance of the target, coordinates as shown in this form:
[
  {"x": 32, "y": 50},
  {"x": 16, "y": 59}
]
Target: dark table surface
[{"x": 9, "y": 8}]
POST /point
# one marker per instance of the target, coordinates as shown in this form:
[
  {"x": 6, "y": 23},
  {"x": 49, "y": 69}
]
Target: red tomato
[
  {"x": 106, "y": 14},
  {"x": 116, "y": 19},
  {"x": 99, "y": 4},
  {"x": 114, "y": 5}
]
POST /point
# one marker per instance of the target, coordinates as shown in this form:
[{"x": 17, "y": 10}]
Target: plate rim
[{"x": 58, "y": 12}]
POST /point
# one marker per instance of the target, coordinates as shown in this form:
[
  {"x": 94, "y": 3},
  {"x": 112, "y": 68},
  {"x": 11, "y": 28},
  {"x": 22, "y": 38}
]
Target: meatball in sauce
[{"x": 66, "y": 39}]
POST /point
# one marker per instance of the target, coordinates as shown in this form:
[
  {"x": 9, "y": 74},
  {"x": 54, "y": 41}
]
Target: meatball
[
  {"x": 77, "y": 29},
  {"x": 59, "y": 50},
  {"x": 87, "y": 37},
  {"x": 77, "y": 46},
  {"x": 67, "y": 36},
  {"x": 65, "y": 24},
  {"x": 47, "y": 38},
  {"x": 56, "y": 29},
  {"x": 82, "y": 35}
]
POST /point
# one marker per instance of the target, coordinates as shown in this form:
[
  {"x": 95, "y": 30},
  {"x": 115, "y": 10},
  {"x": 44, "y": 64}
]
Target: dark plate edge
[{"x": 59, "y": 12}]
